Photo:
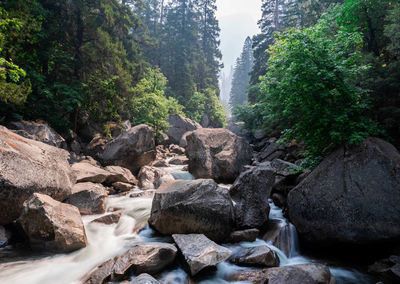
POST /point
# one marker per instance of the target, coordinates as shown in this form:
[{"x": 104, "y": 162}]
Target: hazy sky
[{"x": 237, "y": 19}]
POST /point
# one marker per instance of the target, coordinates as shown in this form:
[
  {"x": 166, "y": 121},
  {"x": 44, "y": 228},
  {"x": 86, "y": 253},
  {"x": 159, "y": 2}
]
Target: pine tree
[{"x": 241, "y": 75}]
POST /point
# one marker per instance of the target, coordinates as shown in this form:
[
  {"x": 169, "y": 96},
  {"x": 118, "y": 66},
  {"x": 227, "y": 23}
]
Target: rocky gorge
[{"x": 201, "y": 205}]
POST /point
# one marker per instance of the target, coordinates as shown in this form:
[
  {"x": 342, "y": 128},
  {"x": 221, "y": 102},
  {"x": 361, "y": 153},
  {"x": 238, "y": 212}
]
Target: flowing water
[{"x": 107, "y": 241}]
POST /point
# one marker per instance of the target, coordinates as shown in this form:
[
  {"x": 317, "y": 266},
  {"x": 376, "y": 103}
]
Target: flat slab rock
[
  {"x": 293, "y": 274},
  {"x": 142, "y": 258},
  {"x": 200, "y": 252}
]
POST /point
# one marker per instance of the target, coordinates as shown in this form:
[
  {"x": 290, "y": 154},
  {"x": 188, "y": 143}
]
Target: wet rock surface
[
  {"x": 142, "y": 258},
  {"x": 153, "y": 177},
  {"x": 293, "y": 274},
  {"x": 255, "y": 256},
  {"x": 199, "y": 252},
  {"x": 250, "y": 192}
]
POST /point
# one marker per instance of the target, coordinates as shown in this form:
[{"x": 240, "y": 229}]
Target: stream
[{"x": 107, "y": 241}]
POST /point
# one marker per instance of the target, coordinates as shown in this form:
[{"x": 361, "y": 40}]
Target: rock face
[
  {"x": 250, "y": 192},
  {"x": 132, "y": 149},
  {"x": 217, "y": 153},
  {"x": 39, "y": 132},
  {"x": 120, "y": 174},
  {"x": 179, "y": 125},
  {"x": 88, "y": 197},
  {"x": 255, "y": 256},
  {"x": 86, "y": 172},
  {"x": 142, "y": 258},
  {"x": 293, "y": 274},
  {"x": 52, "y": 225},
  {"x": 353, "y": 196},
  {"x": 153, "y": 177},
  {"x": 28, "y": 166},
  {"x": 199, "y": 252},
  {"x": 198, "y": 206}
]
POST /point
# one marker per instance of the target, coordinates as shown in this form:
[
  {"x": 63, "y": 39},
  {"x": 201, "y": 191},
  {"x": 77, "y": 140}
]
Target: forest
[{"x": 109, "y": 61}]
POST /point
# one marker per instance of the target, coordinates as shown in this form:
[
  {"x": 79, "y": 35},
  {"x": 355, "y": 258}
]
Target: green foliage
[
  {"x": 311, "y": 91},
  {"x": 149, "y": 104},
  {"x": 208, "y": 104},
  {"x": 12, "y": 87}
]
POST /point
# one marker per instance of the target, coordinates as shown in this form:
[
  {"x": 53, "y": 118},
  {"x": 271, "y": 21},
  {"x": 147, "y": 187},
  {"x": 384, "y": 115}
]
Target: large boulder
[
  {"x": 39, "y": 132},
  {"x": 153, "y": 177},
  {"x": 86, "y": 172},
  {"x": 179, "y": 125},
  {"x": 293, "y": 274},
  {"x": 353, "y": 196},
  {"x": 198, "y": 206},
  {"x": 149, "y": 258},
  {"x": 28, "y": 166},
  {"x": 217, "y": 153},
  {"x": 52, "y": 225},
  {"x": 88, "y": 197},
  {"x": 250, "y": 193},
  {"x": 199, "y": 252},
  {"x": 133, "y": 149}
]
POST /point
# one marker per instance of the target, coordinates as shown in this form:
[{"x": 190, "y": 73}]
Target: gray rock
[
  {"x": 142, "y": 258},
  {"x": 88, "y": 197},
  {"x": 353, "y": 196},
  {"x": 120, "y": 174},
  {"x": 86, "y": 172},
  {"x": 198, "y": 206},
  {"x": 199, "y": 252},
  {"x": 250, "y": 193},
  {"x": 28, "y": 166},
  {"x": 39, "y": 132},
  {"x": 109, "y": 219},
  {"x": 153, "y": 178},
  {"x": 52, "y": 225},
  {"x": 4, "y": 237},
  {"x": 217, "y": 153},
  {"x": 387, "y": 270},
  {"x": 179, "y": 125},
  {"x": 179, "y": 160},
  {"x": 292, "y": 274},
  {"x": 132, "y": 149},
  {"x": 144, "y": 279},
  {"x": 248, "y": 235},
  {"x": 255, "y": 256},
  {"x": 122, "y": 186}
]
